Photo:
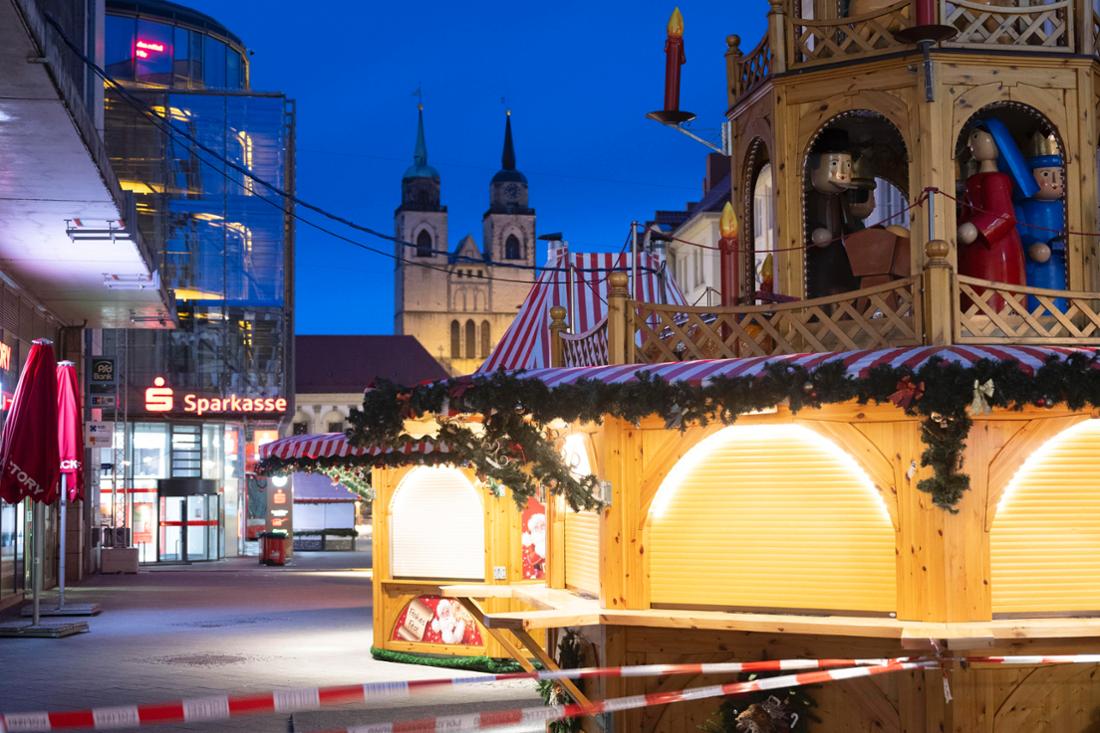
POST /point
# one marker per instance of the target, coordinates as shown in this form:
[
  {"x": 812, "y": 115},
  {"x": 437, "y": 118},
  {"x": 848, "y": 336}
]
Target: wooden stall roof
[{"x": 553, "y": 609}]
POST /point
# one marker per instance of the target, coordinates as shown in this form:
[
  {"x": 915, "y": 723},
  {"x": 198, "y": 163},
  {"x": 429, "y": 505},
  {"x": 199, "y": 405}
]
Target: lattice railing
[
  {"x": 1035, "y": 24},
  {"x": 842, "y": 39},
  {"x": 885, "y": 315},
  {"x": 753, "y": 69},
  {"x": 1094, "y": 28},
  {"x": 990, "y": 313},
  {"x": 586, "y": 349}
]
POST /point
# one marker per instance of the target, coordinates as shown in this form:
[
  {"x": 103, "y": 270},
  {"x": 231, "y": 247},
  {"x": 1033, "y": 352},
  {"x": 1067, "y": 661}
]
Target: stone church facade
[{"x": 457, "y": 303}]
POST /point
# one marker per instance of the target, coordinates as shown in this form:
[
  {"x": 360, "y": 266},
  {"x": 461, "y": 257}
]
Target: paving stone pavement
[{"x": 232, "y": 626}]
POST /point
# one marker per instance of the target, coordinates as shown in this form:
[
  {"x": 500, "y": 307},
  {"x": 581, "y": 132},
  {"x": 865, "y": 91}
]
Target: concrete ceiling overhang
[{"x": 54, "y": 170}]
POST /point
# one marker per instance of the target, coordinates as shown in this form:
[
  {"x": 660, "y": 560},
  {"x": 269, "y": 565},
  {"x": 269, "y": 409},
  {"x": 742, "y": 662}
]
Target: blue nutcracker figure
[{"x": 1041, "y": 221}]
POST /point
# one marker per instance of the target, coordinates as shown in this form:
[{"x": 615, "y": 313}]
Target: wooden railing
[
  {"x": 885, "y": 315},
  {"x": 585, "y": 349},
  {"x": 1038, "y": 25},
  {"x": 995, "y": 313},
  {"x": 830, "y": 40},
  {"x": 751, "y": 70}
]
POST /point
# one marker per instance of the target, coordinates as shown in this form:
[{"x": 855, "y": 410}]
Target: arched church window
[
  {"x": 484, "y": 339},
  {"x": 471, "y": 340},
  {"x": 424, "y": 243},
  {"x": 512, "y": 248},
  {"x": 456, "y": 340}
]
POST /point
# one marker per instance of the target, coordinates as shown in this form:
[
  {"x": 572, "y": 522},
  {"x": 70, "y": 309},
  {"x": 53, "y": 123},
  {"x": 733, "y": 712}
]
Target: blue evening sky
[{"x": 578, "y": 76}]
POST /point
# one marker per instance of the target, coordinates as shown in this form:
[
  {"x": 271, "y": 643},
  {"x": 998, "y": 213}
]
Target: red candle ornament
[
  {"x": 925, "y": 12},
  {"x": 674, "y": 59},
  {"x": 730, "y": 259}
]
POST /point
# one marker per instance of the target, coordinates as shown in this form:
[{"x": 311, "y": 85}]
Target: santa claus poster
[
  {"x": 534, "y": 540},
  {"x": 435, "y": 620}
]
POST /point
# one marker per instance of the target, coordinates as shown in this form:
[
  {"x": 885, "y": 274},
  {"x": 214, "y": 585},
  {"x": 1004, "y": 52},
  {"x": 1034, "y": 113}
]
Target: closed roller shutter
[
  {"x": 1045, "y": 541},
  {"x": 582, "y": 551},
  {"x": 437, "y": 526},
  {"x": 771, "y": 517}
]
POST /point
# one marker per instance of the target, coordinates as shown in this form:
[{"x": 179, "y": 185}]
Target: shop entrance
[{"x": 189, "y": 520}]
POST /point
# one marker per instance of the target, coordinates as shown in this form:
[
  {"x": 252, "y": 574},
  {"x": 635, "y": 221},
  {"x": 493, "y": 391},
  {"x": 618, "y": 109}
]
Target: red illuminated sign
[
  {"x": 162, "y": 398},
  {"x": 142, "y": 49}
]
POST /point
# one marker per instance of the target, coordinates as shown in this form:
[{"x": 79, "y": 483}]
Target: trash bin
[{"x": 273, "y": 547}]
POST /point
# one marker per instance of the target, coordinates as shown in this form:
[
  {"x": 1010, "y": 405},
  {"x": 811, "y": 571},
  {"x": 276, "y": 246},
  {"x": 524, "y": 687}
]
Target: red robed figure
[
  {"x": 997, "y": 254},
  {"x": 29, "y": 463},
  {"x": 70, "y": 430}
]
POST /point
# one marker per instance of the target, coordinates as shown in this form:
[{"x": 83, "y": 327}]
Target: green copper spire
[{"x": 420, "y": 167}]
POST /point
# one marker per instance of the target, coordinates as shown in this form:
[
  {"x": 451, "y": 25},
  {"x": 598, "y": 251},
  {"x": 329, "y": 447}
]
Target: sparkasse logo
[{"x": 159, "y": 398}]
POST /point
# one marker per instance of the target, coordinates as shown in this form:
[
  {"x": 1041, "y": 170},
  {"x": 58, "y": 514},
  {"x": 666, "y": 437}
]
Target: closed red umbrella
[
  {"x": 70, "y": 433},
  {"x": 29, "y": 463}
]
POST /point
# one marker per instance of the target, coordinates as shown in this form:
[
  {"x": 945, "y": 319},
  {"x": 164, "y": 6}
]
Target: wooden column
[
  {"x": 939, "y": 300},
  {"x": 622, "y": 555},
  {"x": 618, "y": 320},
  {"x": 557, "y": 325},
  {"x": 733, "y": 69},
  {"x": 1086, "y": 41},
  {"x": 777, "y": 30}
]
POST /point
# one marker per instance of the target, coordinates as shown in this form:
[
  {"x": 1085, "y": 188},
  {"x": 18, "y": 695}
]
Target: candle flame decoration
[
  {"x": 728, "y": 223},
  {"x": 676, "y": 24}
]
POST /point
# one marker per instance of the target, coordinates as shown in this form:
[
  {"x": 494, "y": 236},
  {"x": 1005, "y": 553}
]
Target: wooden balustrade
[
  {"x": 1037, "y": 25},
  {"x": 585, "y": 349},
  {"x": 754, "y": 68},
  {"x": 829, "y": 40},
  {"x": 997, "y": 313},
  {"x": 880, "y": 316}
]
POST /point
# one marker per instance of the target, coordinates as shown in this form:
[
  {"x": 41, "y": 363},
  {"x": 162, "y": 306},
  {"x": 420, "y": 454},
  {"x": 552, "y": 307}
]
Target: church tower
[
  {"x": 509, "y": 224},
  {"x": 421, "y": 228}
]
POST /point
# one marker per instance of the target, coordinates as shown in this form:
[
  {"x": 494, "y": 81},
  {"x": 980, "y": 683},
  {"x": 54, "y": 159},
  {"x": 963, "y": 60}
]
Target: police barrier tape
[
  {"x": 223, "y": 707},
  {"x": 546, "y": 714}
]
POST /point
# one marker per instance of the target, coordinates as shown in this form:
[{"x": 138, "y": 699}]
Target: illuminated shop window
[{"x": 153, "y": 53}]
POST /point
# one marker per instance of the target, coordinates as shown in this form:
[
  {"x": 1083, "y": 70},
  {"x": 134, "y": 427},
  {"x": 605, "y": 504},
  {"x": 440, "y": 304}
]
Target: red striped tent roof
[
  {"x": 857, "y": 363},
  {"x": 335, "y": 445},
  {"x": 577, "y": 282}
]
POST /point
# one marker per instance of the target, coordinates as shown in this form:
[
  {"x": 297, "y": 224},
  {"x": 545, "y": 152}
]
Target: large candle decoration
[
  {"x": 926, "y": 12},
  {"x": 674, "y": 59},
  {"x": 727, "y": 247}
]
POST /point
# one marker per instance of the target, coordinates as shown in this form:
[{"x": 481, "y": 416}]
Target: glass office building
[{"x": 225, "y": 245}]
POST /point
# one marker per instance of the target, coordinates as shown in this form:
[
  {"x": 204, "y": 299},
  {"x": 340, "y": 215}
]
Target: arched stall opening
[
  {"x": 770, "y": 517},
  {"x": 1045, "y": 537},
  {"x": 760, "y": 265},
  {"x": 437, "y": 526},
  {"x": 1011, "y": 206},
  {"x": 855, "y": 204}
]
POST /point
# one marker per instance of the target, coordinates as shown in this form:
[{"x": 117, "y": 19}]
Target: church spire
[
  {"x": 420, "y": 167},
  {"x": 508, "y": 157}
]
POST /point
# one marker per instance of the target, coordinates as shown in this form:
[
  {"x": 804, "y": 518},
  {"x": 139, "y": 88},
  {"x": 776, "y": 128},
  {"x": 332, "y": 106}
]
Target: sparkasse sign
[{"x": 163, "y": 399}]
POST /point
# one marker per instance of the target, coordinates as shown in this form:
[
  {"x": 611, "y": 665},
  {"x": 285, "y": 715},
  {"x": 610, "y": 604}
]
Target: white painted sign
[{"x": 99, "y": 434}]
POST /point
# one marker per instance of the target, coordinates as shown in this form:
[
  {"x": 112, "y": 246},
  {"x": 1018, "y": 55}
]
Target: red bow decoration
[{"x": 907, "y": 393}]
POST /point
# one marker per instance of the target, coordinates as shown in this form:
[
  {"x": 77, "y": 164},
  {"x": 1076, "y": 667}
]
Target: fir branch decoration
[{"x": 516, "y": 447}]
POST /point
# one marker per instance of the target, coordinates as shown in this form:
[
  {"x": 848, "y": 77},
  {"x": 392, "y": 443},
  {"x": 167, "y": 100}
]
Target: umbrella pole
[
  {"x": 61, "y": 540},
  {"x": 36, "y": 564}
]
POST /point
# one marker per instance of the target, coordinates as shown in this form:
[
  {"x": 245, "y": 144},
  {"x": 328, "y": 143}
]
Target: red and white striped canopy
[
  {"x": 577, "y": 282},
  {"x": 335, "y": 445},
  {"x": 857, "y": 363}
]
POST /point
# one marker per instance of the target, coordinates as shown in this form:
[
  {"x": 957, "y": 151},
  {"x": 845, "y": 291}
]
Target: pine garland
[{"x": 515, "y": 446}]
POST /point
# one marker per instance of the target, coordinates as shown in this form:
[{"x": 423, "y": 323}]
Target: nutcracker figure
[{"x": 835, "y": 206}]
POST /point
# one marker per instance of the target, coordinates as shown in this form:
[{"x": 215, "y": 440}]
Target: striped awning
[
  {"x": 578, "y": 282},
  {"x": 335, "y": 445},
  {"x": 857, "y": 363}
]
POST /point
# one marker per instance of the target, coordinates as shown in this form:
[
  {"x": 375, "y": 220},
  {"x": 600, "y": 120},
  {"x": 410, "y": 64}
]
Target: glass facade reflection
[
  {"x": 168, "y": 52},
  {"x": 224, "y": 245}
]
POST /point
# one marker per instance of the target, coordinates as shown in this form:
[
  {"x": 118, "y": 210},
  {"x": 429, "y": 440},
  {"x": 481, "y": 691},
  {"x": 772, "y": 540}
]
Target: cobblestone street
[{"x": 171, "y": 633}]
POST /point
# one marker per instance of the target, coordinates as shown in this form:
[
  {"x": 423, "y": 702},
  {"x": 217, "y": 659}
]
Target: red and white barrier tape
[
  {"x": 209, "y": 709},
  {"x": 1035, "y": 661},
  {"x": 545, "y": 714}
]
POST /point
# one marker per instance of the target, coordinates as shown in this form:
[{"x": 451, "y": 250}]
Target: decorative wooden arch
[
  {"x": 1046, "y": 103},
  {"x": 843, "y": 435},
  {"x": 1011, "y": 457},
  {"x": 757, "y": 155},
  {"x": 891, "y": 108}
]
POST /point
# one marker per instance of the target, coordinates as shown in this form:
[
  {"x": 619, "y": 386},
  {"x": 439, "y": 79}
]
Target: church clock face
[{"x": 511, "y": 192}]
